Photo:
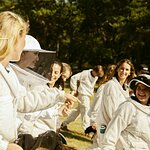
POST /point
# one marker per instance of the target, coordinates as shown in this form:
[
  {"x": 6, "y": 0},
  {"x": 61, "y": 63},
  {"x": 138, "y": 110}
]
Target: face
[
  {"x": 18, "y": 50},
  {"x": 65, "y": 75},
  {"x": 101, "y": 73},
  {"x": 55, "y": 73},
  {"x": 98, "y": 74},
  {"x": 29, "y": 59},
  {"x": 142, "y": 93},
  {"x": 124, "y": 71}
]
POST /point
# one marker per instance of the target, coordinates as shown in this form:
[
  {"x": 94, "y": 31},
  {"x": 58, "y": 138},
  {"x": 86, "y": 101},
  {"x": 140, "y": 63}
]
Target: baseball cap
[{"x": 31, "y": 44}]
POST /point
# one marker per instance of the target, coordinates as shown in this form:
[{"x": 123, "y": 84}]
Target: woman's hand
[
  {"x": 71, "y": 98},
  {"x": 13, "y": 146},
  {"x": 64, "y": 111}
]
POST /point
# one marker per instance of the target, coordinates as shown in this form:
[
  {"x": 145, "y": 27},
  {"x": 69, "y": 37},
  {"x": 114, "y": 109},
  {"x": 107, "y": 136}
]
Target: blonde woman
[
  {"x": 13, "y": 96},
  {"x": 12, "y": 38}
]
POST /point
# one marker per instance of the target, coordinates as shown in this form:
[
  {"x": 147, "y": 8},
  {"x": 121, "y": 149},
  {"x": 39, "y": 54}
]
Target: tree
[{"x": 89, "y": 32}]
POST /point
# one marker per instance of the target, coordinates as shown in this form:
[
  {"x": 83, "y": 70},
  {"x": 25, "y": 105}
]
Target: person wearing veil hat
[{"x": 132, "y": 119}]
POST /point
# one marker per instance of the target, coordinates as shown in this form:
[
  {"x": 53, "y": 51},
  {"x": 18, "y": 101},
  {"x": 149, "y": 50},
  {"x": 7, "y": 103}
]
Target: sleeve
[
  {"x": 3, "y": 144},
  {"x": 96, "y": 104},
  {"x": 31, "y": 101},
  {"x": 121, "y": 119},
  {"x": 74, "y": 81},
  {"x": 51, "y": 112}
]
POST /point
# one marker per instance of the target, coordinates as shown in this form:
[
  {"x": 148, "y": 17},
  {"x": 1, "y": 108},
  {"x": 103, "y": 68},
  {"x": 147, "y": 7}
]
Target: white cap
[{"x": 31, "y": 44}]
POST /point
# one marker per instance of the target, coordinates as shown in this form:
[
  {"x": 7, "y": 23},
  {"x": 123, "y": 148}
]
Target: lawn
[{"x": 75, "y": 136}]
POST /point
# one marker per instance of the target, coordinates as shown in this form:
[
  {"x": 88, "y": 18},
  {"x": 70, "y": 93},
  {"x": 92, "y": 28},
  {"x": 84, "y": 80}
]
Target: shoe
[
  {"x": 63, "y": 139},
  {"x": 90, "y": 129},
  {"x": 64, "y": 127}
]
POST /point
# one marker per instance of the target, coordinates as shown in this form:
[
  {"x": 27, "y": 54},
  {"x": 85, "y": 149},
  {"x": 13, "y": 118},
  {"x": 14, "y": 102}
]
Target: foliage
[{"x": 89, "y": 32}]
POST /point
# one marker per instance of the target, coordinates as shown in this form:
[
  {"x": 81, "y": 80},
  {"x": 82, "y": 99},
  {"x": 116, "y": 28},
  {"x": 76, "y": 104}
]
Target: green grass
[{"x": 75, "y": 136}]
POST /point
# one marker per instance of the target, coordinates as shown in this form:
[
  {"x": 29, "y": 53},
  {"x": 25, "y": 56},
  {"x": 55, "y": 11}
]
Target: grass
[{"x": 75, "y": 136}]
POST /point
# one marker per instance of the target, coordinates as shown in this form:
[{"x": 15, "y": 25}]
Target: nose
[
  {"x": 64, "y": 79},
  {"x": 52, "y": 74}
]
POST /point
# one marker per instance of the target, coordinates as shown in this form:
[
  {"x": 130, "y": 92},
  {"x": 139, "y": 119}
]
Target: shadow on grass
[{"x": 76, "y": 135}]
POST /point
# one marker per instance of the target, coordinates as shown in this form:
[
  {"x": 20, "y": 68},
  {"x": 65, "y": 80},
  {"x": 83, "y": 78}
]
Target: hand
[
  {"x": 13, "y": 146},
  {"x": 75, "y": 93},
  {"x": 71, "y": 98},
  {"x": 64, "y": 111},
  {"x": 94, "y": 126}
]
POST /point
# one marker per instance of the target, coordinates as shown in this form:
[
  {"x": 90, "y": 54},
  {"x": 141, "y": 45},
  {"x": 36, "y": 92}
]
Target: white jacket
[
  {"x": 86, "y": 82},
  {"x": 132, "y": 122},
  {"x": 38, "y": 122},
  {"x": 113, "y": 96},
  {"x": 94, "y": 110},
  {"x": 13, "y": 98}
]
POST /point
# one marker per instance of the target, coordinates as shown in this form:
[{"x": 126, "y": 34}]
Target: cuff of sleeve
[
  {"x": 3, "y": 145},
  {"x": 61, "y": 97}
]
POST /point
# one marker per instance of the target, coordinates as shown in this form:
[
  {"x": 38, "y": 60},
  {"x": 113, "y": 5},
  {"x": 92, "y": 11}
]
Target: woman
[
  {"x": 114, "y": 93},
  {"x": 12, "y": 31},
  {"x": 53, "y": 74},
  {"x": 57, "y": 74},
  {"x": 13, "y": 96},
  {"x": 96, "y": 105},
  {"x": 132, "y": 119}
]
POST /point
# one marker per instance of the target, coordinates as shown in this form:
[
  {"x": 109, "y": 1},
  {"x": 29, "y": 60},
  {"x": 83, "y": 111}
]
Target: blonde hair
[
  {"x": 12, "y": 28},
  {"x": 66, "y": 67}
]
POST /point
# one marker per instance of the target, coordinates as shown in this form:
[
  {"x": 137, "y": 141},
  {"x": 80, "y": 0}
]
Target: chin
[
  {"x": 32, "y": 67},
  {"x": 15, "y": 60}
]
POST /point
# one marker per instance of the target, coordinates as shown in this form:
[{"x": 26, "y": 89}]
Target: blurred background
[{"x": 85, "y": 33}]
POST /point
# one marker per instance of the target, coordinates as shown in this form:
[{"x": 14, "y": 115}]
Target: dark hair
[
  {"x": 98, "y": 68},
  {"x": 108, "y": 74},
  {"x": 59, "y": 83},
  {"x": 143, "y": 69}
]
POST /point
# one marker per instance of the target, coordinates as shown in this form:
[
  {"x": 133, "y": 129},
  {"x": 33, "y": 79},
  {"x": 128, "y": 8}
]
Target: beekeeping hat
[{"x": 31, "y": 44}]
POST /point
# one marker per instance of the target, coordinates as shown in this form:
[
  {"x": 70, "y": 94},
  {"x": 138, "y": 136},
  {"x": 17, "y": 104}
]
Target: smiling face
[
  {"x": 124, "y": 71},
  {"x": 55, "y": 72},
  {"x": 142, "y": 93}
]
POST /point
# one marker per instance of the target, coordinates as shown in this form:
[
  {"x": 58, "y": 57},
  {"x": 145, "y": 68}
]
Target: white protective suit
[
  {"x": 38, "y": 122},
  {"x": 85, "y": 90},
  {"x": 132, "y": 122},
  {"x": 14, "y": 97},
  {"x": 113, "y": 96}
]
